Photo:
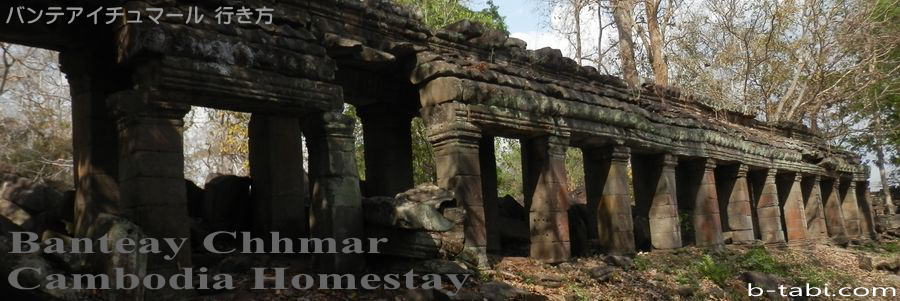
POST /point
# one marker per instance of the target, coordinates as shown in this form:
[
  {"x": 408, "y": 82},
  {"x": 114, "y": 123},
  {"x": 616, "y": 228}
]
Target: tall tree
[
  {"x": 656, "y": 45},
  {"x": 566, "y": 18},
  {"x": 622, "y": 14}
]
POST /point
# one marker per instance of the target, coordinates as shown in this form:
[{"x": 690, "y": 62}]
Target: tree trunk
[
  {"x": 599, "y": 35},
  {"x": 578, "y": 53},
  {"x": 657, "y": 59},
  {"x": 624, "y": 23},
  {"x": 879, "y": 162},
  {"x": 882, "y": 173}
]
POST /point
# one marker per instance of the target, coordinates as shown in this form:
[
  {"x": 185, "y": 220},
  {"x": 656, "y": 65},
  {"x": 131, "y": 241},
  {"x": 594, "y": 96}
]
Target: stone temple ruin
[{"x": 735, "y": 178}]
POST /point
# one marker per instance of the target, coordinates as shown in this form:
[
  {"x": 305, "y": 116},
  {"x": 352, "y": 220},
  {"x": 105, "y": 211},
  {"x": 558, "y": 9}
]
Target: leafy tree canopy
[{"x": 440, "y": 13}]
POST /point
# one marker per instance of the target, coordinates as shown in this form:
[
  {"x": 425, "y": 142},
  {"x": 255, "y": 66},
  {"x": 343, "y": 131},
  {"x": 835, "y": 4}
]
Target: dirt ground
[{"x": 683, "y": 274}]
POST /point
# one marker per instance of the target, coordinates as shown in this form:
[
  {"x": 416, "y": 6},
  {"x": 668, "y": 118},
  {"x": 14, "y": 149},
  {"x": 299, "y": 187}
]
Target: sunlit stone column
[
  {"x": 815, "y": 212},
  {"x": 850, "y": 209},
  {"x": 794, "y": 214},
  {"x": 457, "y": 160},
  {"x": 707, "y": 222},
  {"x": 867, "y": 213},
  {"x": 768, "y": 213},
  {"x": 834, "y": 215},
  {"x": 606, "y": 182},
  {"x": 740, "y": 214},
  {"x": 665, "y": 229},
  {"x": 548, "y": 218}
]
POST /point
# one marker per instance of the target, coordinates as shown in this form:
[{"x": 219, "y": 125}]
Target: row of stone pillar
[
  {"x": 662, "y": 188},
  {"x": 151, "y": 191},
  {"x": 145, "y": 181}
]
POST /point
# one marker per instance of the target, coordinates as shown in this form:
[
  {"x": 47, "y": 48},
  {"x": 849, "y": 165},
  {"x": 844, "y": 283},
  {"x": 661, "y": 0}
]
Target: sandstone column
[
  {"x": 665, "y": 229},
  {"x": 739, "y": 210},
  {"x": 388, "y": 150},
  {"x": 548, "y": 216},
  {"x": 458, "y": 169},
  {"x": 151, "y": 168},
  {"x": 606, "y": 182},
  {"x": 768, "y": 213},
  {"x": 834, "y": 216},
  {"x": 276, "y": 169},
  {"x": 707, "y": 222},
  {"x": 850, "y": 209},
  {"x": 867, "y": 215},
  {"x": 94, "y": 139},
  {"x": 488, "y": 164},
  {"x": 792, "y": 208},
  {"x": 336, "y": 207},
  {"x": 815, "y": 213}
]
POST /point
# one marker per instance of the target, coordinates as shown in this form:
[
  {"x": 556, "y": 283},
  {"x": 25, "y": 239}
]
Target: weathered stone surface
[
  {"x": 738, "y": 211},
  {"x": 664, "y": 220},
  {"x": 606, "y": 177},
  {"x": 498, "y": 291},
  {"x": 34, "y": 197},
  {"x": 707, "y": 223},
  {"x": 834, "y": 216},
  {"x": 13, "y": 212},
  {"x": 547, "y": 196},
  {"x": 792, "y": 207},
  {"x": 415, "y": 209},
  {"x": 768, "y": 213},
  {"x": 851, "y": 212},
  {"x": 815, "y": 211},
  {"x": 457, "y": 164},
  {"x": 336, "y": 205}
]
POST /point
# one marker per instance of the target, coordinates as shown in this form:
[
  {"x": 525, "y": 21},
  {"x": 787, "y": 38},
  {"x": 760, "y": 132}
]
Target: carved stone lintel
[
  {"x": 742, "y": 170},
  {"x": 453, "y": 132},
  {"x": 771, "y": 174},
  {"x": 620, "y": 153},
  {"x": 816, "y": 178},
  {"x": 709, "y": 163},
  {"x": 130, "y": 104},
  {"x": 668, "y": 161}
]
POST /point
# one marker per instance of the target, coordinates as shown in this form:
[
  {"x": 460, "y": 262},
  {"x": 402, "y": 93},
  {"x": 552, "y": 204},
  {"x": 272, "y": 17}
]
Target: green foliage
[
  {"x": 509, "y": 167},
  {"x": 641, "y": 263},
  {"x": 758, "y": 259},
  {"x": 707, "y": 267},
  {"x": 716, "y": 271},
  {"x": 440, "y": 13},
  {"x": 359, "y": 150},
  {"x": 575, "y": 167},
  {"x": 724, "y": 267},
  {"x": 878, "y": 106},
  {"x": 422, "y": 153},
  {"x": 686, "y": 220},
  {"x": 892, "y": 247}
]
